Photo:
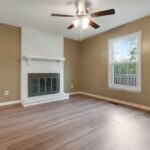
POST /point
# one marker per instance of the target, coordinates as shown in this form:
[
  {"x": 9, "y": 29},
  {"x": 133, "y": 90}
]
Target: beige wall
[
  {"x": 71, "y": 67},
  {"x": 94, "y": 63},
  {"x": 9, "y": 62}
]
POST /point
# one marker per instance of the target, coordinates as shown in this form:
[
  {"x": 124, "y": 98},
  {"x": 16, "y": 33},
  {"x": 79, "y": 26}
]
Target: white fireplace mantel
[{"x": 29, "y": 58}]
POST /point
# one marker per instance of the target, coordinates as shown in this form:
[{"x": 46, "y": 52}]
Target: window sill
[{"x": 132, "y": 90}]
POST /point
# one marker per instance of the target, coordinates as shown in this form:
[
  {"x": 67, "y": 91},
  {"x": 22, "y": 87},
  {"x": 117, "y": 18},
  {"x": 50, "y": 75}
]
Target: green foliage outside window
[{"x": 129, "y": 66}]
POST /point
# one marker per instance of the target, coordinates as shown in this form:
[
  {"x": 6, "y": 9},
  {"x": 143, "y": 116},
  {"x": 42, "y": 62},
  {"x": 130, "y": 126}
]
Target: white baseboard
[
  {"x": 10, "y": 103},
  {"x": 115, "y": 100},
  {"x": 74, "y": 93},
  {"x": 87, "y": 94}
]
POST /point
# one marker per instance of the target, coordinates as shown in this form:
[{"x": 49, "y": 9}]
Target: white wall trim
[
  {"x": 147, "y": 108},
  {"x": 92, "y": 95},
  {"x": 10, "y": 103},
  {"x": 74, "y": 93}
]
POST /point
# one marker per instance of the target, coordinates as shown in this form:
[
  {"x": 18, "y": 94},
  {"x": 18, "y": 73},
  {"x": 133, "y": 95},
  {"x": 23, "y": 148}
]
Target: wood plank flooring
[{"x": 81, "y": 123}]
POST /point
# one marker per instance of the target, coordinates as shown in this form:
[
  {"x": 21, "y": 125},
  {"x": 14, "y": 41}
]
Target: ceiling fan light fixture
[
  {"x": 76, "y": 23},
  {"x": 85, "y": 23}
]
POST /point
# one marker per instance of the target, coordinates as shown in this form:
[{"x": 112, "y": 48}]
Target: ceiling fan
[{"x": 83, "y": 15}]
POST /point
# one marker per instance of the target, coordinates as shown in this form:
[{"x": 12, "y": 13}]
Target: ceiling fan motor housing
[{"x": 82, "y": 13}]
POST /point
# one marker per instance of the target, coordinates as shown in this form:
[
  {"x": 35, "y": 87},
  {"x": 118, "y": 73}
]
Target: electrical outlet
[
  {"x": 6, "y": 93},
  {"x": 72, "y": 86}
]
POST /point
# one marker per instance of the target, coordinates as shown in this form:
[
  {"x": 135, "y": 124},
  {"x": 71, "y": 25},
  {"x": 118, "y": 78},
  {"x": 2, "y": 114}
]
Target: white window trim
[{"x": 136, "y": 89}]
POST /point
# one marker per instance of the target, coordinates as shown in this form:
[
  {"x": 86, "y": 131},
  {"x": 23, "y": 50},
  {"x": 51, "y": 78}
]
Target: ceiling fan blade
[
  {"x": 93, "y": 24},
  {"x": 103, "y": 13},
  {"x": 71, "y": 26},
  {"x": 61, "y": 15}
]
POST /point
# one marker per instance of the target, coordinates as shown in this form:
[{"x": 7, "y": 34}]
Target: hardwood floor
[{"x": 82, "y": 123}]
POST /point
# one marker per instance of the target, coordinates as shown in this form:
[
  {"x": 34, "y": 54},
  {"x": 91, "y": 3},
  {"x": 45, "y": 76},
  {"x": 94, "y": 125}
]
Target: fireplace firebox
[{"x": 43, "y": 83}]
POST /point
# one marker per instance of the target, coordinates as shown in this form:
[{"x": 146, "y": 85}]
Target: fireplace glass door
[{"x": 41, "y": 84}]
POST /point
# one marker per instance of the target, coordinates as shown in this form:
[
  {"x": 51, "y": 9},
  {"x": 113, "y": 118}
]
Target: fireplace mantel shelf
[{"x": 40, "y": 58}]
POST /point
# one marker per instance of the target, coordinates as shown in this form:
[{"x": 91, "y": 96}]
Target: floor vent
[{"x": 114, "y": 103}]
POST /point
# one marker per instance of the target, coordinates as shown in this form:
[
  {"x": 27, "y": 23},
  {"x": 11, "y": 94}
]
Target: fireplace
[
  {"x": 42, "y": 67},
  {"x": 43, "y": 84}
]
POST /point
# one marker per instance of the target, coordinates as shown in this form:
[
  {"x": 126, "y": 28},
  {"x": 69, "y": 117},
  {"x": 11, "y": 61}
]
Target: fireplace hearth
[{"x": 43, "y": 84}]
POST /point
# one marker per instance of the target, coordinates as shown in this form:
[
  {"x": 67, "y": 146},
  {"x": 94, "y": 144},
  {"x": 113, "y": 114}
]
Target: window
[{"x": 125, "y": 63}]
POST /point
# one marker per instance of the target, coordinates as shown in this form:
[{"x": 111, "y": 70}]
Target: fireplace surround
[{"x": 41, "y": 55}]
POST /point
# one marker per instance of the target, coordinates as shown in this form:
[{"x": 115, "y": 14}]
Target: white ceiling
[{"x": 36, "y": 14}]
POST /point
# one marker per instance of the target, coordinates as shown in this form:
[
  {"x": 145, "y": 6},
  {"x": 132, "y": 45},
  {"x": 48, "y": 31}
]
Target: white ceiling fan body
[{"x": 81, "y": 10}]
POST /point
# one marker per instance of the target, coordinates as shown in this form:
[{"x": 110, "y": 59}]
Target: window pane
[{"x": 125, "y": 51}]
